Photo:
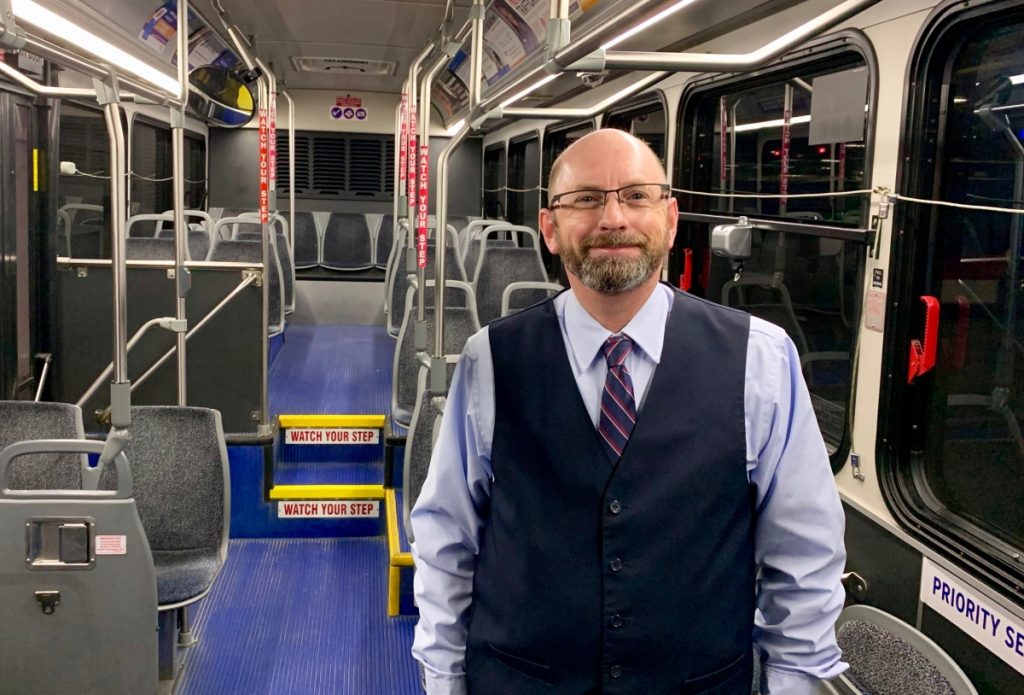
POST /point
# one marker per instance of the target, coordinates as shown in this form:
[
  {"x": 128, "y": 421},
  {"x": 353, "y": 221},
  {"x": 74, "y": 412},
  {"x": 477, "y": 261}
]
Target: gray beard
[{"x": 612, "y": 275}]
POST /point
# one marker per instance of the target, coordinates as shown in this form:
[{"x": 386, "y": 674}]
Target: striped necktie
[{"x": 618, "y": 409}]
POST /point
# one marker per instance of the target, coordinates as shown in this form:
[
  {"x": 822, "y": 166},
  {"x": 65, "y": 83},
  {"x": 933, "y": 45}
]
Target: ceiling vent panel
[{"x": 344, "y": 66}]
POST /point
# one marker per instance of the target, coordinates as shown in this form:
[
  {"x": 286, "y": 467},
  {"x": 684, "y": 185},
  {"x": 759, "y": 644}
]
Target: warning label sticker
[
  {"x": 111, "y": 545},
  {"x": 328, "y": 509},
  {"x": 331, "y": 435}
]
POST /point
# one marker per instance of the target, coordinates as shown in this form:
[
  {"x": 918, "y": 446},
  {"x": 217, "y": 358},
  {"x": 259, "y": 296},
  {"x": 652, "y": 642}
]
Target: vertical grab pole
[
  {"x": 182, "y": 278},
  {"x": 263, "y": 95},
  {"x": 438, "y": 367},
  {"x": 422, "y": 200},
  {"x": 401, "y": 155},
  {"x": 291, "y": 169},
  {"x": 476, "y": 54},
  {"x": 120, "y": 388},
  {"x": 412, "y": 157}
]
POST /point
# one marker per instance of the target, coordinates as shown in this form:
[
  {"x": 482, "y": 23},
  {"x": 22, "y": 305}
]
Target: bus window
[
  {"x": 556, "y": 140},
  {"x": 954, "y": 467},
  {"x": 524, "y": 181},
  {"x": 150, "y": 188},
  {"x": 646, "y": 121},
  {"x": 83, "y": 196},
  {"x": 195, "y": 172},
  {"x": 806, "y": 283},
  {"x": 494, "y": 182}
]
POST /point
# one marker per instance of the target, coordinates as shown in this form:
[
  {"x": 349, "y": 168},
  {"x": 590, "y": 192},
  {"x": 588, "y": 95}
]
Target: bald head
[{"x": 604, "y": 153}]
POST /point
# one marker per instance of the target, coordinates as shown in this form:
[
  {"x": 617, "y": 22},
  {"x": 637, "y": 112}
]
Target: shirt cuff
[
  {"x": 776, "y": 682},
  {"x": 436, "y": 683}
]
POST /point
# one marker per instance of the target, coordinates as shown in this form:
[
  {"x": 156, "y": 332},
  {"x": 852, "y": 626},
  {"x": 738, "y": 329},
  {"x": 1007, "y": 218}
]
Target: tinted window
[
  {"x": 753, "y": 136},
  {"x": 961, "y": 450}
]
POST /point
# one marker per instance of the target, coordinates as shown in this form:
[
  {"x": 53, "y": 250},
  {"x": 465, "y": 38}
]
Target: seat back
[
  {"x": 520, "y": 295},
  {"x": 453, "y": 270},
  {"x": 77, "y": 585},
  {"x": 179, "y": 465},
  {"x": 149, "y": 249},
  {"x": 306, "y": 240},
  {"x": 500, "y": 267},
  {"x": 886, "y": 655},
  {"x": 147, "y": 225},
  {"x": 419, "y": 444},
  {"x": 384, "y": 242},
  {"x": 252, "y": 252},
  {"x": 26, "y": 420},
  {"x": 461, "y": 322},
  {"x": 347, "y": 244}
]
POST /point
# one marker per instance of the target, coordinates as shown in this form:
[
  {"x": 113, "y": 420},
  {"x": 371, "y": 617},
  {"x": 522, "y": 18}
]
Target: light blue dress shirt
[{"x": 799, "y": 535}]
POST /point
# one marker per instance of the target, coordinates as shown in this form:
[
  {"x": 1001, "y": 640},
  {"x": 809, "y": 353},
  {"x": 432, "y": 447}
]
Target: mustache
[{"x": 611, "y": 239}]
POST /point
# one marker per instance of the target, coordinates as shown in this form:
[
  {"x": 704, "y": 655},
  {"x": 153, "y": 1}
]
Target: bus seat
[
  {"x": 306, "y": 241},
  {"x": 149, "y": 249},
  {"x": 467, "y": 232},
  {"x": 453, "y": 270},
  {"x": 346, "y": 242},
  {"x": 76, "y": 620},
  {"x": 500, "y": 267},
  {"x": 28, "y": 420},
  {"x": 136, "y": 226},
  {"x": 781, "y": 314},
  {"x": 509, "y": 236},
  {"x": 383, "y": 242},
  {"x": 252, "y": 252},
  {"x": 418, "y": 446},
  {"x": 519, "y": 295},
  {"x": 886, "y": 655},
  {"x": 179, "y": 463},
  {"x": 461, "y": 322}
]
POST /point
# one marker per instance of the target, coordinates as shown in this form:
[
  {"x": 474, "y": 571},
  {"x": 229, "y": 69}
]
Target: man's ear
[
  {"x": 547, "y": 229},
  {"x": 672, "y": 221}
]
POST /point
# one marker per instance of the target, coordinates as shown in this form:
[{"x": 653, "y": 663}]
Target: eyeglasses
[{"x": 637, "y": 196}]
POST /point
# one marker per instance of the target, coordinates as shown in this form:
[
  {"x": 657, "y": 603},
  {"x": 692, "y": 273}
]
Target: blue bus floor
[
  {"x": 336, "y": 369},
  {"x": 300, "y": 616}
]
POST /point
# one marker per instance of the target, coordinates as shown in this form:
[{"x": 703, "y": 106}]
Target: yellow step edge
[
  {"x": 327, "y": 492},
  {"x": 369, "y": 421},
  {"x": 397, "y": 557}
]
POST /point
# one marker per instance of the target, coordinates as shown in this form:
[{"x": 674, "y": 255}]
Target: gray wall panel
[{"x": 234, "y": 178}]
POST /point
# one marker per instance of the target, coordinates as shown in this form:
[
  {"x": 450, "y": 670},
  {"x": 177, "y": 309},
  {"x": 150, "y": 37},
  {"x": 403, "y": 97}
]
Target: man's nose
[{"x": 612, "y": 214}]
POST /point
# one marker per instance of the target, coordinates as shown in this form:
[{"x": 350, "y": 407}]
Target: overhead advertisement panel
[
  {"x": 160, "y": 29},
  {"x": 514, "y": 30}
]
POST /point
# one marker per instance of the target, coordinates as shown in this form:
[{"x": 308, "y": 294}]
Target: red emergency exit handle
[
  {"x": 686, "y": 279},
  {"x": 922, "y": 355}
]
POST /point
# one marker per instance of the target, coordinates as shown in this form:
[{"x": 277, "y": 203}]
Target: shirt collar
[{"x": 586, "y": 336}]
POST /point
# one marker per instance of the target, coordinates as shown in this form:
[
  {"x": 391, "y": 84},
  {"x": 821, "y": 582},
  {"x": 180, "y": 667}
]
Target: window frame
[
  {"x": 647, "y": 102},
  {"x": 901, "y": 477},
  {"x": 685, "y": 176}
]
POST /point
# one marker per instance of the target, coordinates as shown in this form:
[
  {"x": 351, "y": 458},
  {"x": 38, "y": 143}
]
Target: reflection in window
[
  {"x": 974, "y": 449},
  {"x": 150, "y": 186},
  {"x": 783, "y": 135},
  {"x": 646, "y": 122},
  {"x": 494, "y": 183},
  {"x": 82, "y": 197}
]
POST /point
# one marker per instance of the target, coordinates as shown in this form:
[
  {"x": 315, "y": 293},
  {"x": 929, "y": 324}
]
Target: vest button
[
  {"x": 615, "y": 506},
  {"x": 615, "y": 671},
  {"x": 615, "y": 565},
  {"x": 617, "y": 621}
]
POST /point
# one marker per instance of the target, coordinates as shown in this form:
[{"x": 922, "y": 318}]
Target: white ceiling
[{"x": 394, "y": 30}]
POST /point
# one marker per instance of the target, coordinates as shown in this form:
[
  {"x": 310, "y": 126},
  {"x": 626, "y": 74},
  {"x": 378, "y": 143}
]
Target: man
[{"x": 630, "y": 490}]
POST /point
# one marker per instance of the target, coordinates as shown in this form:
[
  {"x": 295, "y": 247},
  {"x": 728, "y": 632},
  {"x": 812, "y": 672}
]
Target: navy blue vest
[{"x": 637, "y": 578}]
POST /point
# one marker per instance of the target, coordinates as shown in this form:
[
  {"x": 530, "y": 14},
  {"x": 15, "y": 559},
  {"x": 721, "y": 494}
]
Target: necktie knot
[{"x": 616, "y": 349}]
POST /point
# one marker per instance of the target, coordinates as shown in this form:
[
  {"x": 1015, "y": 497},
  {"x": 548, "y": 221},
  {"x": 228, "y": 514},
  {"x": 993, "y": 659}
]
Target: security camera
[
  {"x": 732, "y": 241},
  {"x": 592, "y": 79}
]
